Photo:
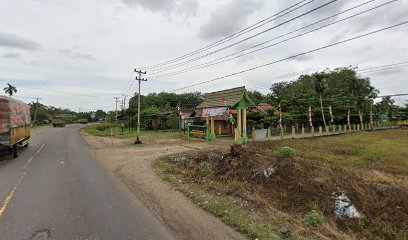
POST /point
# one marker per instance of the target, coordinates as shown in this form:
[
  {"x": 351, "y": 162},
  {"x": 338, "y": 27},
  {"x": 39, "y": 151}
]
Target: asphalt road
[{"x": 56, "y": 189}]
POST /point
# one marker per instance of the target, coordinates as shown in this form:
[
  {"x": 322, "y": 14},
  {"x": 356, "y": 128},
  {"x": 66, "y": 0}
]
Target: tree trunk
[{"x": 321, "y": 107}]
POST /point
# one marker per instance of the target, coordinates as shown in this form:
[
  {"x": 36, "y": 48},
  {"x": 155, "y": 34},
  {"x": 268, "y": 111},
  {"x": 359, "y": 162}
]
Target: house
[{"x": 221, "y": 108}]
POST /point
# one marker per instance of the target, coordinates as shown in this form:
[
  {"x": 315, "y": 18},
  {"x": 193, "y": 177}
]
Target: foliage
[
  {"x": 341, "y": 88},
  {"x": 287, "y": 152},
  {"x": 205, "y": 169},
  {"x": 151, "y": 117},
  {"x": 313, "y": 218},
  {"x": 104, "y": 126},
  {"x": 10, "y": 90}
]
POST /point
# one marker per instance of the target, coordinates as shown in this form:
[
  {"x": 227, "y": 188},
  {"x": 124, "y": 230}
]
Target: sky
[{"x": 81, "y": 54}]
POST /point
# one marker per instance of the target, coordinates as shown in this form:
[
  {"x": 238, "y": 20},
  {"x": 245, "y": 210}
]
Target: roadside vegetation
[
  {"x": 286, "y": 189},
  {"x": 104, "y": 130}
]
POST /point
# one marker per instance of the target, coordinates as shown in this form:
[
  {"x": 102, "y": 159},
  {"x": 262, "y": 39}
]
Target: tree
[
  {"x": 320, "y": 86},
  {"x": 10, "y": 90}
]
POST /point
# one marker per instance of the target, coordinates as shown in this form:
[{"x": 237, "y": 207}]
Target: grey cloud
[
  {"x": 229, "y": 18},
  {"x": 389, "y": 15},
  {"x": 11, "y": 55},
  {"x": 14, "y": 41},
  {"x": 183, "y": 7},
  {"x": 76, "y": 54}
]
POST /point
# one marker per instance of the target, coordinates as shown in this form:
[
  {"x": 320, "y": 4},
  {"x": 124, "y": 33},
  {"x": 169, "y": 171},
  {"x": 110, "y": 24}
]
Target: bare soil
[{"x": 133, "y": 164}]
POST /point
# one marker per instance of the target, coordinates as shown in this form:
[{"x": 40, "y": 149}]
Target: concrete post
[
  {"x": 293, "y": 132},
  {"x": 327, "y": 130},
  {"x": 244, "y": 122},
  {"x": 253, "y": 134},
  {"x": 334, "y": 128},
  {"x": 339, "y": 128},
  {"x": 354, "y": 127},
  {"x": 281, "y": 133},
  {"x": 320, "y": 130},
  {"x": 312, "y": 131},
  {"x": 358, "y": 127},
  {"x": 269, "y": 133},
  {"x": 303, "y": 131},
  {"x": 239, "y": 123}
]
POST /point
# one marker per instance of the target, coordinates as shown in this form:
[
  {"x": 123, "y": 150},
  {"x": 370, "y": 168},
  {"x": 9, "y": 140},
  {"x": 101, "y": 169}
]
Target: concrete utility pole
[
  {"x": 36, "y": 109},
  {"x": 116, "y": 119},
  {"x": 139, "y": 79}
]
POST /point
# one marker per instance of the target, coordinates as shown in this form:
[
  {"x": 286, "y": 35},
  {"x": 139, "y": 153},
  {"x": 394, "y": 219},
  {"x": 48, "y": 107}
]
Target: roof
[
  {"x": 215, "y": 99},
  {"x": 262, "y": 107}
]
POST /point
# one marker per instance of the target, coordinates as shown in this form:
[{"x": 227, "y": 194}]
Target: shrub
[
  {"x": 205, "y": 169},
  {"x": 287, "y": 152},
  {"x": 104, "y": 126},
  {"x": 313, "y": 218}
]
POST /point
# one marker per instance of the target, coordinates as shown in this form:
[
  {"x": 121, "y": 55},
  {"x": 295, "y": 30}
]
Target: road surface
[{"x": 56, "y": 189}]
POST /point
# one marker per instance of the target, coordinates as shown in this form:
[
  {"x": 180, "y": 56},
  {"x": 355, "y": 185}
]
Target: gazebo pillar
[
  {"x": 212, "y": 128},
  {"x": 244, "y": 123},
  {"x": 239, "y": 123}
]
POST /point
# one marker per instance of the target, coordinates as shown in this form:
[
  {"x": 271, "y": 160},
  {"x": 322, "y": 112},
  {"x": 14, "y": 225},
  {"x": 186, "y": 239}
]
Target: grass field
[
  {"x": 296, "y": 200},
  {"x": 104, "y": 130}
]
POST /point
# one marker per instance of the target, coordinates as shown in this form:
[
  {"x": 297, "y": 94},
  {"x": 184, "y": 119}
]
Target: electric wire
[{"x": 294, "y": 56}]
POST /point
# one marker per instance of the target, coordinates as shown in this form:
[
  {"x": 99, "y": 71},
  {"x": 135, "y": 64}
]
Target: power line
[
  {"x": 384, "y": 69},
  {"x": 217, "y": 61},
  {"x": 130, "y": 78},
  {"x": 388, "y": 65},
  {"x": 268, "y": 86},
  {"x": 294, "y": 56},
  {"x": 247, "y": 38},
  {"x": 228, "y": 38}
]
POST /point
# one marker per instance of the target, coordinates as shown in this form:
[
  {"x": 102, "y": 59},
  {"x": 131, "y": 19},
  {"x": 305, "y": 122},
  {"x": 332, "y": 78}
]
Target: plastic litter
[
  {"x": 344, "y": 207},
  {"x": 268, "y": 172}
]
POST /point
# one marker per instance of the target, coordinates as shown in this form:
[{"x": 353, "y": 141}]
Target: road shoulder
[{"x": 134, "y": 167}]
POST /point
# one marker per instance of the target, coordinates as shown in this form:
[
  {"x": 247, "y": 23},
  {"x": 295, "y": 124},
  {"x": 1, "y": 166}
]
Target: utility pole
[
  {"x": 139, "y": 79},
  {"x": 36, "y": 109},
  {"x": 116, "y": 119}
]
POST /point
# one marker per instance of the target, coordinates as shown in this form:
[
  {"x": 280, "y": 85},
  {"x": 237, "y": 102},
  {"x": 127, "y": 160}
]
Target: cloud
[
  {"x": 229, "y": 18},
  {"x": 183, "y": 7},
  {"x": 75, "y": 54},
  {"x": 11, "y": 55},
  {"x": 14, "y": 41}
]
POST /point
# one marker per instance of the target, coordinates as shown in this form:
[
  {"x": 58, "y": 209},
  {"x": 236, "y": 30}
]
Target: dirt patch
[{"x": 134, "y": 166}]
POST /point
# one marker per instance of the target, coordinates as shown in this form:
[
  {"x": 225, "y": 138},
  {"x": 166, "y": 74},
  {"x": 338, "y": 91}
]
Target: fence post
[
  {"x": 339, "y": 128},
  {"x": 358, "y": 127},
  {"x": 188, "y": 131},
  {"x": 269, "y": 133},
  {"x": 320, "y": 130},
  {"x": 293, "y": 132},
  {"x": 312, "y": 130},
  {"x": 327, "y": 130},
  {"x": 334, "y": 128},
  {"x": 281, "y": 133},
  {"x": 253, "y": 134},
  {"x": 303, "y": 131}
]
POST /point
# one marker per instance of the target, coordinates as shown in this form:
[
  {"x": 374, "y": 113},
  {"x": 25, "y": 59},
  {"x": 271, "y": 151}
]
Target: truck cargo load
[{"x": 15, "y": 124}]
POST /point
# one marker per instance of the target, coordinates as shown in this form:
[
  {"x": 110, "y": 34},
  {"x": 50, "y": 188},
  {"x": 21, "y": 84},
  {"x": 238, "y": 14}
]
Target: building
[{"x": 222, "y": 110}]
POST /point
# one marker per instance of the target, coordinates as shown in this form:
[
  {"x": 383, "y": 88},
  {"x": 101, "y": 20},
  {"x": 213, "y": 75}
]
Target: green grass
[{"x": 92, "y": 130}]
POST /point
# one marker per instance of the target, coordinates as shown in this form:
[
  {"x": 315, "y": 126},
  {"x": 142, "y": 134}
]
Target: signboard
[{"x": 211, "y": 112}]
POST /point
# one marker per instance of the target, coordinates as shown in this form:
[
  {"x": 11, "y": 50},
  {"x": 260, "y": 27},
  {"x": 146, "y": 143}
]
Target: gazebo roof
[{"x": 229, "y": 97}]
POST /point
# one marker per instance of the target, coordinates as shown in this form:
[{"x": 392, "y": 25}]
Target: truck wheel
[{"x": 15, "y": 151}]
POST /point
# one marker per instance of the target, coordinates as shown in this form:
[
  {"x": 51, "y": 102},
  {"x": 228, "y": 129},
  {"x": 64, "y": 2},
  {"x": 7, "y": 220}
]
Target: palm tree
[
  {"x": 319, "y": 84},
  {"x": 10, "y": 90}
]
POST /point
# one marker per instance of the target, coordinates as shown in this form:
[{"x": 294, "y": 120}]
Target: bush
[
  {"x": 287, "y": 152},
  {"x": 104, "y": 126},
  {"x": 205, "y": 169},
  {"x": 313, "y": 218}
]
